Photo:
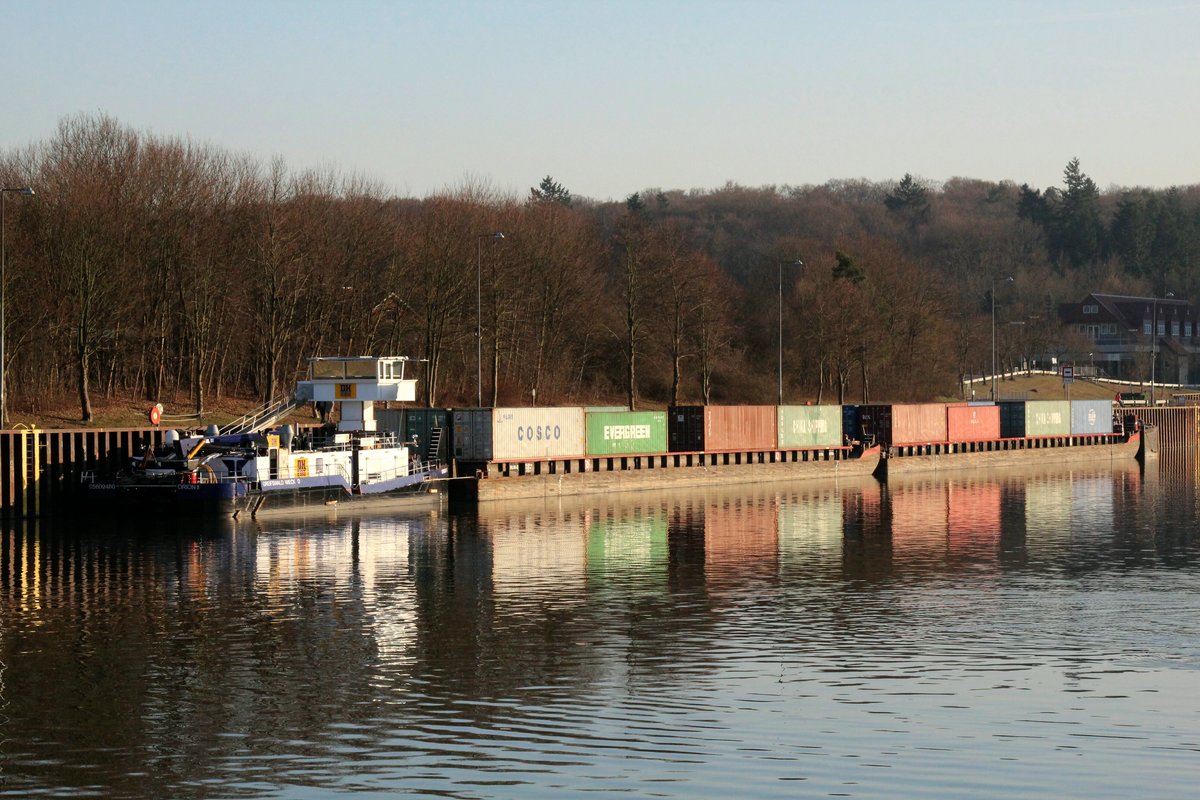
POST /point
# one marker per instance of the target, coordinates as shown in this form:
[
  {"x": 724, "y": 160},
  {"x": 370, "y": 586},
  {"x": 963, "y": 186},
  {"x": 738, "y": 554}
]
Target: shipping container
[
  {"x": 471, "y": 434},
  {"x": 1091, "y": 416},
  {"x": 1047, "y": 418},
  {"x": 537, "y": 433},
  {"x": 918, "y": 423},
  {"x": 1012, "y": 419},
  {"x": 875, "y": 424},
  {"x": 427, "y": 427},
  {"x": 598, "y": 409},
  {"x": 850, "y": 427},
  {"x": 744, "y": 428},
  {"x": 809, "y": 426},
  {"x": 390, "y": 420},
  {"x": 611, "y": 433},
  {"x": 421, "y": 425},
  {"x": 972, "y": 423},
  {"x": 685, "y": 429}
]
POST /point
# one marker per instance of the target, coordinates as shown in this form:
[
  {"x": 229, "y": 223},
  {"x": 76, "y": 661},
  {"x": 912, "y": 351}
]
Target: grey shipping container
[
  {"x": 471, "y": 434},
  {"x": 1091, "y": 416}
]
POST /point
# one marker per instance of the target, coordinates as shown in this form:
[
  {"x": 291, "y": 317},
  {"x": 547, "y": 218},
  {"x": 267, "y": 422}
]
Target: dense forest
[{"x": 159, "y": 268}]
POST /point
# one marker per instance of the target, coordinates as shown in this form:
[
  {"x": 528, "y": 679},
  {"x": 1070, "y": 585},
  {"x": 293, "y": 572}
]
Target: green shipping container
[
  {"x": 1047, "y": 418},
  {"x": 619, "y": 433},
  {"x": 810, "y": 426}
]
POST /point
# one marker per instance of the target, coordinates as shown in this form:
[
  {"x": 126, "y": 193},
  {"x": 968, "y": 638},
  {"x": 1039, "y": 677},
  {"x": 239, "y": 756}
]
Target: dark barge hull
[
  {"x": 666, "y": 471},
  {"x": 1082, "y": 450}
]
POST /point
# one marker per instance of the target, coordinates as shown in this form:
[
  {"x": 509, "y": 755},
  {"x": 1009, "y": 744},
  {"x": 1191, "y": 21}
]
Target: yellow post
[{"x": 31, "y": 467}]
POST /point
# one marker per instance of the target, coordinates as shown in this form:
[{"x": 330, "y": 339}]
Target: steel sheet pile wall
[
  {"x": 626, "y": 432},
  {"x": 809, "y": 426},
  {"x": 536, "y": 433},
  {"x": 918, "y": 423},
  {"x": 1091, "y": 416},
  {"x": 1047, "y": 418},
  {"x": 744, "y": 428},
  {"x": 972, "y": 423},
  {"x": 41, "y": 470}
]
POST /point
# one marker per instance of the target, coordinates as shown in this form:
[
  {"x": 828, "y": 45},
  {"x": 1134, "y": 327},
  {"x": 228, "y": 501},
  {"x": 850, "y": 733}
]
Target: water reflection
[{"x": 703, "y": 643}]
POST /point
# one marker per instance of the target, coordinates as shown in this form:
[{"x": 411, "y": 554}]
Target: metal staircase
[
  {"x": 262, "y": 418},
  {"x": 432, "y": 450}
]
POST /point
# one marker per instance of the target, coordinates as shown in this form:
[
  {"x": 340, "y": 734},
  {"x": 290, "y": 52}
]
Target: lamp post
[
  {"x": 1006, "y": 280},
  {"x": 779, "y": 266},
  {"x": 28, "y": 192},
  {"x": 479, "y": 313},
  {"x": 1154, "y": 344}
]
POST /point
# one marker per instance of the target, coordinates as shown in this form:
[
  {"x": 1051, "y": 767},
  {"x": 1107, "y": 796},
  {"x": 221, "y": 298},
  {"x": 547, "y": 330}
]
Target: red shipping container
[
  {"x": 743, "y": 428},
  {"x": 972, "y": 423},
  {"x": 919, "y": 423}
]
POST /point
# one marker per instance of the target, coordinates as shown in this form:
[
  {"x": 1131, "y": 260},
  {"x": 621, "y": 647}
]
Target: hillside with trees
[{"x": 162, "y": 269}]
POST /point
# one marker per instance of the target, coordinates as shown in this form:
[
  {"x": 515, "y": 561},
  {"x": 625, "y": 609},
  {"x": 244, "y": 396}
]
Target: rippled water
[{"x": 1024, "y": 635}]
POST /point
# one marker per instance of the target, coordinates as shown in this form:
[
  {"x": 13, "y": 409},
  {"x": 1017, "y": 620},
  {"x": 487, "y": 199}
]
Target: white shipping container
[{"x": 533, "y": 433}]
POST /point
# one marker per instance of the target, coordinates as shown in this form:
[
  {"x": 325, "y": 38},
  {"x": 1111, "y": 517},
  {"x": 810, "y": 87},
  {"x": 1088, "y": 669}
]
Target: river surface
[{"x": 1031, "y": 634}]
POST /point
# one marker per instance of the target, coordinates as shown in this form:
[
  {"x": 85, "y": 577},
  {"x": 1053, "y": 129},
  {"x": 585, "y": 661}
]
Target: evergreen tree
[
  {"x": 550, "y": 191},
  {"x": 909, "y": 200}
]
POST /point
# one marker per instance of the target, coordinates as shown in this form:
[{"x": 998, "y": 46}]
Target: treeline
[{"x": 156, "y": 267}]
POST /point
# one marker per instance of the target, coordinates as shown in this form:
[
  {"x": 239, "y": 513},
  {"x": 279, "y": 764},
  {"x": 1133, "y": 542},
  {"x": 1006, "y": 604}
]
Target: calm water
[{"x": 1025, "y": 635}]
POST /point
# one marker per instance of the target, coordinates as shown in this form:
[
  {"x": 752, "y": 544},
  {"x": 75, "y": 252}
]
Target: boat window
[
  {"x": 328, "y": 369},
  {"x": 364, "y": 368}
]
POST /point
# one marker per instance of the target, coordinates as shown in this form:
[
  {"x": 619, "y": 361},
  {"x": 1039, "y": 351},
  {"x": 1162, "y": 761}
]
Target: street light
[
  {"x": 479, "y": 314},
  {"x": 27, "y": 191},
  {"x": 779, "y": 265},
  {"x": 1154, "y": 344},
  {"x": 1006, "y": 280}
]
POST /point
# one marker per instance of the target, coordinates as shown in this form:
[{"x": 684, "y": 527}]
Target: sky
[{"x": 614, "y": 97}]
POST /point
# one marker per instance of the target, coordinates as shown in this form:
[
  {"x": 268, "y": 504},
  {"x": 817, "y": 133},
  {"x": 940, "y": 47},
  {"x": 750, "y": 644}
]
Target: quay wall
[{"x": 42, "y": 471}]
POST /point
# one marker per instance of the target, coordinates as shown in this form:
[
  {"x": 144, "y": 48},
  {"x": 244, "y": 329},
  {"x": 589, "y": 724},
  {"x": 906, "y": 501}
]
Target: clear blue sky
[{"x": 614, "y": 97}]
